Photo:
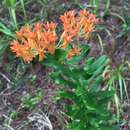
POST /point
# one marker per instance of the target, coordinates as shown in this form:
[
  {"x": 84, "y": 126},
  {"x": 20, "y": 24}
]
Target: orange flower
[
  {"x": 67, "y": 39},
  {"x": 41, "y": 38},
  {"x": 84, "y": 13},
  {"x": 41, "y": 54},
  {"x": 75, "y": 51},
  {"x": 38, "y": 27},
  {"x": 87, "y": 22},
  {"x": 68, "y": 17},
  {"x": 23, "y": 51},
  {"x": 71, "y": 28},
  {"x": 49, "y": 39},
  {"x": 15, "y": 47},
  {"x": 50, "y": 26},
  {"x": 35, "y": 41},
  {"x": 76, "y": 26}
]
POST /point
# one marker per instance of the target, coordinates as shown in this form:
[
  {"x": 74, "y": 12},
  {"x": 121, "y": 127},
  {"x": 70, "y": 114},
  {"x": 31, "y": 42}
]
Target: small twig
[
  {"x": 5, "y": 77},
  {"x": 101, "y": 43},
  {"x": 8, "y": 127},
  {"x": 8, "y": 84},
  {"x": 10, "y": 93},
  {"x": 3, "y": 91},
  {"x": 25, "y": 123}
]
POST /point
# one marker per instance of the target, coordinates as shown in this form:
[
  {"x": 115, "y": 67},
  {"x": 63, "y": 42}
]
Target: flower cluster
[
  {"x": 42, "y": 38},
  {"x": 75, "y": 51},
  {"x": 76, "y": 26},
  {"x": 35, "y": 41}
]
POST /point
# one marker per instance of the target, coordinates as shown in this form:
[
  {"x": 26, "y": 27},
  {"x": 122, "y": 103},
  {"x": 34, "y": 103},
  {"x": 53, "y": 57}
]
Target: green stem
[
  {"x": 22, "y": 4},
  {"x": 13, "y": 16}
]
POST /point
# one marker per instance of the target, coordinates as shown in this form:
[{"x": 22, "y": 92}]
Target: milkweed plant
[{"x": 79, "y": 83}]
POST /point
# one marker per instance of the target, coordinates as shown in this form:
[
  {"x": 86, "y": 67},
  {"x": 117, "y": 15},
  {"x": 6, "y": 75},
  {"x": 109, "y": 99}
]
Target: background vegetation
[{"x": 27, "y": 93}]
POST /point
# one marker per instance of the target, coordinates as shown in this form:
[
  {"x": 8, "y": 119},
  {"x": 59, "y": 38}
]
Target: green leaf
[
  {"x": 10, "y": 3},
  {"x": 50, "y": 61},
  {"x": 104, "y": 93},
  {"x": 5, "y": 30},
  {"x": 84, "y": 53},
  {"x": 96, "y": 84},
  {"x": 60, "y": 54},
  {"x": 13, "y": 114},
  {"x": 97, "y": 65},
  {"x": 3, "y": 47}
]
